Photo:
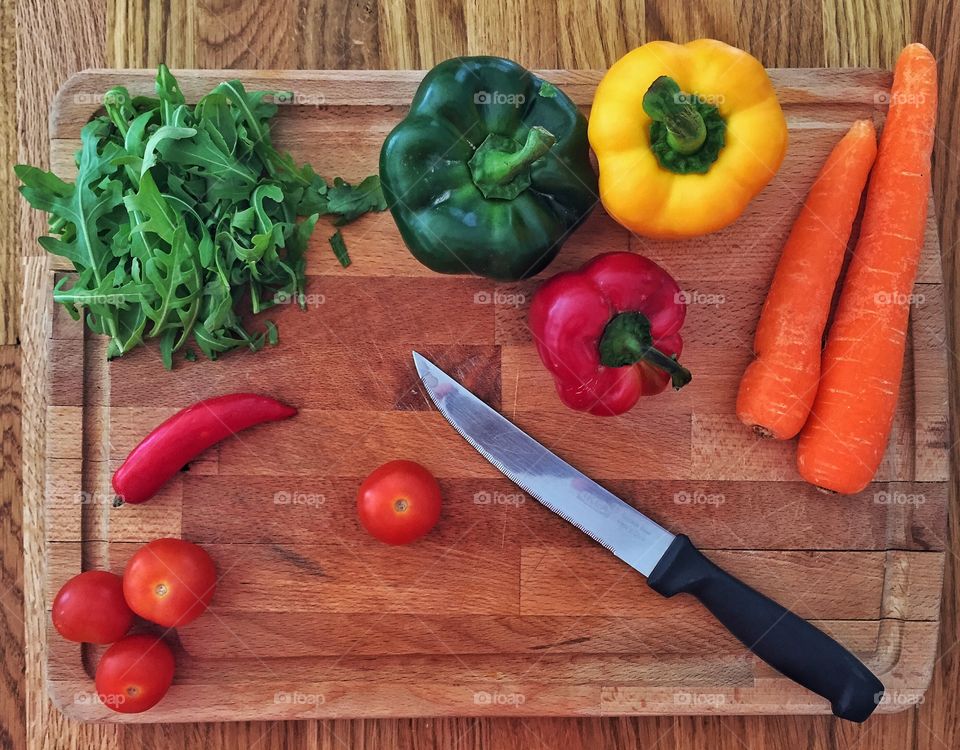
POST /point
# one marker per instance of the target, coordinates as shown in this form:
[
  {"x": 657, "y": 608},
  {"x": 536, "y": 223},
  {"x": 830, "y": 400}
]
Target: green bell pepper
[{"x": 489, "y": 172}]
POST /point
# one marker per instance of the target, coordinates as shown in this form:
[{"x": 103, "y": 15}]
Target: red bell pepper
[
  {"x": 610, "y": 332},
  {"x": 184, "y": 436}
]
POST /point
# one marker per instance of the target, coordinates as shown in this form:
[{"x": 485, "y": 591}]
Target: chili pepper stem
[
  {"x": 665, "y": 102},
  {"x": 627, "y": 340}
]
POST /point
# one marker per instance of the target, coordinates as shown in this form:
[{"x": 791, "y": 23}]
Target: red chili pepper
[
  {"x": 609, "y": 333},
  {"x": 188, "y": 433}
]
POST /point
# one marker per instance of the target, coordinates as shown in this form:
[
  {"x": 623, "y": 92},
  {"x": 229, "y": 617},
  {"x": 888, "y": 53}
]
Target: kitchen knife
[{"x": 670, "y": 562}]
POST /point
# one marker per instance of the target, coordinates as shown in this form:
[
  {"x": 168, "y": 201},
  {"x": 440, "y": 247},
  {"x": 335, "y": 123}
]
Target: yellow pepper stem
[
  {"x": 665, "y": 102},
  {"x": 687, "y": 133}
]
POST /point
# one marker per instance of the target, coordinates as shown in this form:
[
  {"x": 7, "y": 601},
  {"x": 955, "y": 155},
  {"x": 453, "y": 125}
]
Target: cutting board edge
[
  {"x": 85, "y": 102},
  {"x": 643, "y": 702}
]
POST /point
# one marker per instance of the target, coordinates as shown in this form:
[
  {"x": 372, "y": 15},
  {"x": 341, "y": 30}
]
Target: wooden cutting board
[{"x": 503, "y": 608}]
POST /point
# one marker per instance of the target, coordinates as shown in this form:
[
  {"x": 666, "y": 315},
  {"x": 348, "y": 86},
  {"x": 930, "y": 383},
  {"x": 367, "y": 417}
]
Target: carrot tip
[
  {"x": 917, "y": 48},
  {"x": 866, "y": 126}
]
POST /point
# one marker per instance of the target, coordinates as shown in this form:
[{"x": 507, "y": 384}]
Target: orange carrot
[
  {"x": 778, "y": 387},
  {"x": 844, "y": 440}
]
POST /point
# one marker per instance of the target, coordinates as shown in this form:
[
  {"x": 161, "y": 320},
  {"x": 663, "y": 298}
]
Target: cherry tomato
[
  {"x": 169, "y": 582},
  {"x": 90, "y": 608},
  {"x": 399, "y": 502},
  {"x": 134, "y": 673}
]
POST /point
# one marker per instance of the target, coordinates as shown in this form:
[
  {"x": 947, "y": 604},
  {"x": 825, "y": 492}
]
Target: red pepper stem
[
  {"x": 679, "y": 375},
  {"x": 627, "y": 340}
]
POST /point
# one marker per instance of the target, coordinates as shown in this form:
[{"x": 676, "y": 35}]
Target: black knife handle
[{"x": 787, "y": 643}]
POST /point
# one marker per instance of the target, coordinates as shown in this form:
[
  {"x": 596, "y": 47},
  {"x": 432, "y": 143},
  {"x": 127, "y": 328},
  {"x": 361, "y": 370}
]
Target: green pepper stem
[
  {"x": 493, "y": 168},
  {"x": 627, "y": 340},
  {"x": 664, "y": 102}
]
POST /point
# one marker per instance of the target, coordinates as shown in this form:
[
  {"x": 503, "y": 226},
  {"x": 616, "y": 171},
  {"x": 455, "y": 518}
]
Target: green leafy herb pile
[{"x": 183, "y": 217}]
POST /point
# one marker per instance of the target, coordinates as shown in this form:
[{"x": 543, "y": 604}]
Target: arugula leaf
[
  {"x": 200, "y": 155},
  {"x": 351, "y": 202},
  {"x": 168, "y": 91},
  {"x": 273, "y": 335},
  {"x": 176, "y": 279},
  {"x": 165, "y": 133},
  {"x": 547, "y": 90},
  {"x": 83, "y": 204},
  {"x": 340, "y": 248},
  {"x": 160, "y": 217},
  {"x": 214, "y": 114},
  {"x": 182, "y": 219}
]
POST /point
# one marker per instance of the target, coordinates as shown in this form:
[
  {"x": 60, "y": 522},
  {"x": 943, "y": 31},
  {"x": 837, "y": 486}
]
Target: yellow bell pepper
[{"x": 685, "y": 137}]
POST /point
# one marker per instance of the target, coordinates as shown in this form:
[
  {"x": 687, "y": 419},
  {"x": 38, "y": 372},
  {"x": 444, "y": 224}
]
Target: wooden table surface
[{"x": 42, "y": 42}]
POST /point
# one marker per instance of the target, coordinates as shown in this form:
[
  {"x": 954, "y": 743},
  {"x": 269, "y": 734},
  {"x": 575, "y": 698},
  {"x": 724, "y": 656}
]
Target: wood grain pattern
[
  {"x": 11, "y": 561},
  {"x": 294, "y": 551},
  {"x": 58, "y": 39},
  {"x": 9, "y": 250}
]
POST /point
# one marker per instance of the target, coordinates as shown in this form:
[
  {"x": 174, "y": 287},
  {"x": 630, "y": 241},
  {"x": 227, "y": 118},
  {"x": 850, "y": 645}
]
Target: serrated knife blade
[
  {"x": 598, "y": 513},
  {"x": 670, "y": 562}
]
